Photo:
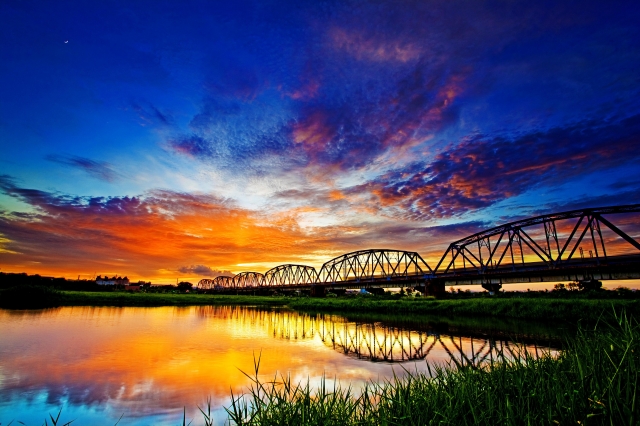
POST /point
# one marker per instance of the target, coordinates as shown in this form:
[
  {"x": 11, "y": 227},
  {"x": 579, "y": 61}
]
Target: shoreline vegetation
[
  {"x": 594, "y": 381},
  {"x": 571, "y": 307},
  {"x": 564, "y": 304}
]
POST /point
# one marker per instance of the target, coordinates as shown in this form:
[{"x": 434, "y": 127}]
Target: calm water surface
[{"x": 148, "y": 363}]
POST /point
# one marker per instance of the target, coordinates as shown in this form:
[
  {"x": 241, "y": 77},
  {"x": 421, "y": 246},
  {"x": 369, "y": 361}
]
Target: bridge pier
[
  {"x": 318, "y": 290},
  {"x": 433, "y": 288},
  {"x": 492, "y": 288}
]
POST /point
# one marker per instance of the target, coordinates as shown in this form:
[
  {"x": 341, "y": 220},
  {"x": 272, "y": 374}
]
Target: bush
[{"x": 29, "y": 297}]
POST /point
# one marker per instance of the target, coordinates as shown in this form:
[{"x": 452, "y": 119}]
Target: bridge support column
[
  {"x": 492, "y": 288},
  {"x": 434, "y": 288},
  {"x": 318, "y": 291}
]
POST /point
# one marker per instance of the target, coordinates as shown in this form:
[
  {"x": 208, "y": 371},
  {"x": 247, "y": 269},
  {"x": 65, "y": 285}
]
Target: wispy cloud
[
  {"x": 149, "y": 114},
  {"x": 193, "y": 146},
  {"x": 101, "y": 170}
]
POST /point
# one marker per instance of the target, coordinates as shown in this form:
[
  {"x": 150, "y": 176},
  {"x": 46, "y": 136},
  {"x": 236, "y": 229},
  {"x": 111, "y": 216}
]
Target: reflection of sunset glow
[{"x": 148, "y": 361}]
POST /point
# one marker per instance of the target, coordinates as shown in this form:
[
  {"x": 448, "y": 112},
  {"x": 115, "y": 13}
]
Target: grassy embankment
[
  {"x": 121, "y": 298},
  {"x": 34, "y": 297},
  {"x": 595, "y": 381},
  {"x": 570, "y": 307}
]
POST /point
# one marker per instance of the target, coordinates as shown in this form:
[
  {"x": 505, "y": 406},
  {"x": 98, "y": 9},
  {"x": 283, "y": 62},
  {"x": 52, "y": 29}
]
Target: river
[{"x": 149, "y": 364}]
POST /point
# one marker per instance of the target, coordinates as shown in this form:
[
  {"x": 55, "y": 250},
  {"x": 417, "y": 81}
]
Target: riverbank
[
  {"x": 120, "y": 298},
  {"x": 569, "y": 309},
  {"x": 593, "y": 382}
]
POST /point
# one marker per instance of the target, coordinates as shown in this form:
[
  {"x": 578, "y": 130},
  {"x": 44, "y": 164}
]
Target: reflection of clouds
[{"x": 148, "y": 361}]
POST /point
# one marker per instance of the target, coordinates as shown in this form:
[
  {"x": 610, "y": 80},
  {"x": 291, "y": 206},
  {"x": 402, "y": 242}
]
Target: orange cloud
[{"x": 149, "y": 237}]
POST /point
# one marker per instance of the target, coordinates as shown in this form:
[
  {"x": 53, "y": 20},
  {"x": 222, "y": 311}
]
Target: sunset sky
[{"x": 168, "y": 140}]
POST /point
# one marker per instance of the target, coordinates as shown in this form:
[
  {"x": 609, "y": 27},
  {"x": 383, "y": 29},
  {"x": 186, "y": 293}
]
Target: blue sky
[{"x": 235, "y": 135}]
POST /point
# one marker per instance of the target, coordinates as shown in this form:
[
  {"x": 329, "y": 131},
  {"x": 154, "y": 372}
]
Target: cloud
[
  {"x": 483, "y": 170},
  {"x": 369, "y": 48},
  {"x": 354, "y": 134},
  {"x": 373, "y": 87},
  {"x": 149, "y": 114},
  {"x": 193, "y": 146},
  {"x": 141, "y": 235},
  {"x": 101, "y": 170},
  {"x": 203, "y": 270}
]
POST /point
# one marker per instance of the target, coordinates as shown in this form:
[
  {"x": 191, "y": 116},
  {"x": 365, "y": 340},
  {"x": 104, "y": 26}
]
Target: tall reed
[{"x": 593, "y": 382}]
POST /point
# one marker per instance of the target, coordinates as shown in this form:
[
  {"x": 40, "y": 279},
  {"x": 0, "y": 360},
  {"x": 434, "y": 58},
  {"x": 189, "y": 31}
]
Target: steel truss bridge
[{"x": 577, "y": 245}]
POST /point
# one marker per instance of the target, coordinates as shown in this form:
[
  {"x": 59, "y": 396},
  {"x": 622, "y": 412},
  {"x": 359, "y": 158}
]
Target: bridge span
[{"x": 578, "y": 245}]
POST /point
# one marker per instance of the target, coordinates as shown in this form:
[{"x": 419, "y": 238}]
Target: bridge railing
[{"x": 554, "y": 240}]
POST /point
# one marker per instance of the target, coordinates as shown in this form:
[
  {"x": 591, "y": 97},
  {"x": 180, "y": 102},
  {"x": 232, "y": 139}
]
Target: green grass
[
  {"x": 571, "y": 310},
  {"x": 593, "y": 382},
  {"x": 115, "y": 298}
]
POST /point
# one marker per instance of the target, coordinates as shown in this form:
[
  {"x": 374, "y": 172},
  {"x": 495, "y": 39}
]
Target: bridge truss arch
[
  {"x": 290, "y": 274},
  {"x": 248, "y": 279},
  {"x": 373, "y": 264},
  {"x": 550, "y": 241},
  {"x": 219, "y": 282}
]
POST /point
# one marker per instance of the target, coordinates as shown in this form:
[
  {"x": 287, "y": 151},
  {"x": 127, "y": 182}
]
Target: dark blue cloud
[
  {"x": 97, "y": 169},
  {"x": 484, "y": 170},
  {"x": 53, "y": 203},
  {"x": 193, "y": 145},
  {"x": 357, "y": 81},
  {"x": 150, "y": 114}
]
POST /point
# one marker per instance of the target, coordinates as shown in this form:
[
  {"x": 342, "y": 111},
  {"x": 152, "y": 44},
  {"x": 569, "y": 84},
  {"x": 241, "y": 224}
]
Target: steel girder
[
  {"x": 205, "y": 284},
  {"x": 511, "y": 239},
  {"x": 290, "y": 275},
  {"x": 221, "y": 281},
  {"x": 248, "y": 279},
  {"x": 368, "y": 265}
]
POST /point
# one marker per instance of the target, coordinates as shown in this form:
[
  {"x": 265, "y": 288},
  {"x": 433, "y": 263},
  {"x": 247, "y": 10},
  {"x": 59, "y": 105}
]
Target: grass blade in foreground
[{"x": 593, "y": 382}]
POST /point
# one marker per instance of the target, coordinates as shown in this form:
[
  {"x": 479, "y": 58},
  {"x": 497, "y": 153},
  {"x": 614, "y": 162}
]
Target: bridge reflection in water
[{"x": 380, "y": 342}]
